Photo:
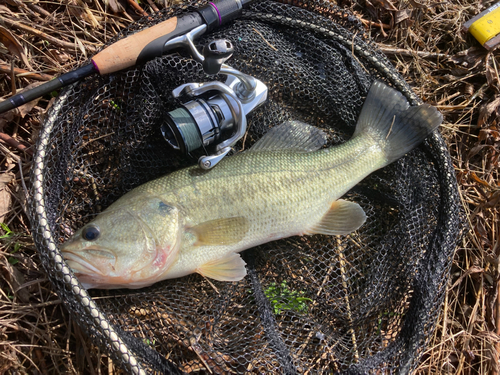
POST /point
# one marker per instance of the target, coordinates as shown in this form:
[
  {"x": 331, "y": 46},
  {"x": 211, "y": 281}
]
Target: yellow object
[{"x": 486, "y": 27}]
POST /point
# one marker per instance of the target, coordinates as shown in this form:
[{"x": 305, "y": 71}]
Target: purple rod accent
[
  {"x": 95, "y": 65},
  {"x": 218, "y": 13}
]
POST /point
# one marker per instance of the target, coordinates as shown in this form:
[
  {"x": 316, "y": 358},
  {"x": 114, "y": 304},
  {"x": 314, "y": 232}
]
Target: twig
[
  {"x": 8, "y": 152},
  {"x": 137, "y": 8},
  {"x": 12, "y": 78},
  {"x": 14, "y": 143},
  {"x": 496, "y": 353},
  {"x": 262, "y": 36},
  {"x": 244, "y": 140},
  {"x": 390, "y": 129},
  {"x": 38, "y": 9},
  {"x": 25, "y": 73},
  {"x": 84, "y": 347},
  {"x": 469, "y": 328},
  {"x": 41, "y": 34},
  {"x": 153, "y": 6},
  {"x": 411, "y": 53},
  {"x": 371, "y": 23},
  {"x": 342, "y": 261},
  {"x": 25, "y": 189},
  {"x": 195, "y": 347},
  {"x": 210, "y": 283}
]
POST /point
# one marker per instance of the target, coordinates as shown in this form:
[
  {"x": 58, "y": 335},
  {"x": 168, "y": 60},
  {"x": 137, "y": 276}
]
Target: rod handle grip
[{"x": 124, "y": 53}]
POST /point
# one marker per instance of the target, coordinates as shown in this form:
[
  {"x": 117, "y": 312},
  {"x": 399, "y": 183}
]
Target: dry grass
[
  {"x": 448, "y": 69},
  {"x": 423, "y": 39}
]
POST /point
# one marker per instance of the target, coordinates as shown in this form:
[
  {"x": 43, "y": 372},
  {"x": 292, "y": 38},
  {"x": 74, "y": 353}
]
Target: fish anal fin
[
  {"x": 291, "y": 135},
  {"x": 228, "y": 268},
  {"x": 227, "y": 231},
  {"x": 343, "y": 217}
]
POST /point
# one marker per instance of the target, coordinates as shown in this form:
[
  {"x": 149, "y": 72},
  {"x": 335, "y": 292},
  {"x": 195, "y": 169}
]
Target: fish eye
[{"x": 90, "y": 233}]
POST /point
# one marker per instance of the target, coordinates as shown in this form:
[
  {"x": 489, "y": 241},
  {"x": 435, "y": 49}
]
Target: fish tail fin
[{"x": 387, "y": 117}]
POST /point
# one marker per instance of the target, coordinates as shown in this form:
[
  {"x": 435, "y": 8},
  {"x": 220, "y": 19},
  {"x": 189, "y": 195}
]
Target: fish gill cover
[{"x": 358, "y": 303}]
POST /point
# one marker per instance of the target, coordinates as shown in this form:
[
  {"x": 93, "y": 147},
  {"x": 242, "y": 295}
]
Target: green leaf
[
  {"x": 17, "y": 246},
  {"x": 7, "y": 231},
  {"x": 282, "y": 298}
]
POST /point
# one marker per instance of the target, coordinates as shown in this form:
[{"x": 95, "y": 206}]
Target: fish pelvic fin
[
  {"x": 293, "y": 136},
  {"x": 343, "y": 217},
  {"x": 229, "y": 268},
  {"x": 388, "y": 118}
]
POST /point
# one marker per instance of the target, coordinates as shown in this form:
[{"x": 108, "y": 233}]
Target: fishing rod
[{"x": 138, "y": 48}]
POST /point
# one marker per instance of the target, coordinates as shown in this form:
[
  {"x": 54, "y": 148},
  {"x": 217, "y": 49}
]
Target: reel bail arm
[{"x": 201, "y": 122}]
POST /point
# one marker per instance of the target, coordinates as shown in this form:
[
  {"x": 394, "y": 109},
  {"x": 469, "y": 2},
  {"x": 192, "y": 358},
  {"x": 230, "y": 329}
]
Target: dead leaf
[
  {"x": 487, "y": 110},
  {"x": 5, "y": 197},
  {"x": 402, "y": 15},
  {"x": 491, "y": 74},
  {"x": 478, "y": 180},
  {"x": 418, "y": 5},
  {"x": 489, "y": 136},
  {"x": 470, "y": 271},
  {"x": 89, "y": 15},
  {"x": 59, "y": 56},
  {"x": 470, "y": 58},
  {"x": 16, "y": 280},
  {"x": 494, "y": 200},
  {"x": 5, "y": 10},
  {"x": 13, "y": 46},
  {"x": 81, "y": 46},
  {"x": 476, "y": 150},
  {"x": 5, "y": 118},
  {"x": 386, "y": 4},
  {"x": 115, "y": 6}
]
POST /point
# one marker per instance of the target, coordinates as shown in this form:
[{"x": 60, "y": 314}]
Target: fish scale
[{"x": 280, "y": 193}]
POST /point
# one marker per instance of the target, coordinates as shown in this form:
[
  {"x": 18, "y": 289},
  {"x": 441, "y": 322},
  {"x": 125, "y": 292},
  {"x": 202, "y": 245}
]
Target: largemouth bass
[{"x": 287, "y": 184}]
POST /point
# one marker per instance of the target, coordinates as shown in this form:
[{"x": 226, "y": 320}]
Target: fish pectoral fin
[
  {"x": 228, "y": 268},
  {"x": 216, "y": 232},
  {"x": 291, "y": 135},
  {"x": 343, "y": 217}
]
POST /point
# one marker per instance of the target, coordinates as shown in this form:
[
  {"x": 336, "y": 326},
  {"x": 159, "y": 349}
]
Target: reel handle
[{"x": 216, "y": 53}]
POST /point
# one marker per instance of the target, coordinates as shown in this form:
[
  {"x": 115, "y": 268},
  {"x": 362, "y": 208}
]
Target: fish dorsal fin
[
  {"x": 220, "y": 232},
  {"x": 291, "y": 135},
  {"x": 229, "y": 268},
  {"x": 343, "y": 217}
]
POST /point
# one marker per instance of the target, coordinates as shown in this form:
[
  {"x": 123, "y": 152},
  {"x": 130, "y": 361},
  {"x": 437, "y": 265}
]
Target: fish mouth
[{"x": 80, "y": 265}]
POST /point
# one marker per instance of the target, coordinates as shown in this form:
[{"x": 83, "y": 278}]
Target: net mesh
[{"x": 365, "y": 302}]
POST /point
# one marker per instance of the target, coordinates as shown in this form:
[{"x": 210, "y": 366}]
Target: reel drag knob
[{"x": 216, "y": 53}]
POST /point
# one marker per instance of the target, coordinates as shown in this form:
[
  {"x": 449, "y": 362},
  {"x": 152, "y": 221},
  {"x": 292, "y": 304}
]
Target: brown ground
[{"x": 424, "y": 40}]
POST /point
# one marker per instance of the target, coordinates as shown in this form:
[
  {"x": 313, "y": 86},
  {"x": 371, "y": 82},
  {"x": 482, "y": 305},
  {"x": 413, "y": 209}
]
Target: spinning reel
[{"x": 220, "y": 119}]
